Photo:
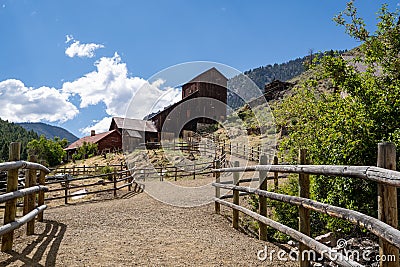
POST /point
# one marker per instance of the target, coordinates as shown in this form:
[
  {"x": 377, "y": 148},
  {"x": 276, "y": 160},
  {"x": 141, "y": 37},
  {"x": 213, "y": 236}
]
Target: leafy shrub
[
  {"x": 87, "y": 150},
  {"x": 48, "y": 150}
]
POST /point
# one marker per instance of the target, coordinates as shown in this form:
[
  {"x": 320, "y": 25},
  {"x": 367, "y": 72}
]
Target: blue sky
[{"x": 114, "y": 47}]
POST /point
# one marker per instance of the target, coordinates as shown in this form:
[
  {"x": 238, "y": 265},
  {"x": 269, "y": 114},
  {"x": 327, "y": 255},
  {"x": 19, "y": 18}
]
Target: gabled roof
[
  {"x": 134, "y": 124},
  {"x": 212, "y": 75},
  {"x": 89, "y": 139},
  {"x": 172, "y": 106}
]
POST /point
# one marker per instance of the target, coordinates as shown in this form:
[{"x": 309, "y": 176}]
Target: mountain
[
  {"x": 49, "y": 131},
  {"x": 283, "y": 72},
  {"x": 11, "y": 132}
]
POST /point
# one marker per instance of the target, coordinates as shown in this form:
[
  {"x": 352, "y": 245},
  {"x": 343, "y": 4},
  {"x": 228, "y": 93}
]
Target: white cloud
[
  {"x": 19, "y": 103},
  {"x": 99, "y": 126},
  {"x": 68, "y": 38},
  {"x": 109, "y": 84},
  {"x": 80, "y": 50}
]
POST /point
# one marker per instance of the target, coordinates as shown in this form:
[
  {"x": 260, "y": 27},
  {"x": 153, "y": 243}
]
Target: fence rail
[
  {"x": 385, "y": 227},
  {"x": 29, "y": 193},
  {"x": 115, "y": 178}
]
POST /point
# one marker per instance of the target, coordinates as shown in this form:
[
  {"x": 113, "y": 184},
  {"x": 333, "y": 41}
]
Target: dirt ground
[{"x": 135, "y": 230}]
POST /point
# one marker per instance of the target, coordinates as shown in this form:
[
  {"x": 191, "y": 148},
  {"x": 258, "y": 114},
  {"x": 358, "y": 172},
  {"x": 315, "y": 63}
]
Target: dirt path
[{"x": 135, "y": 231}]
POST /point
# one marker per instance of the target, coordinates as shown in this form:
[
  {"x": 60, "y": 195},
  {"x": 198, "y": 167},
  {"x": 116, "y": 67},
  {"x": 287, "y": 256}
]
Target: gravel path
[{"x": 135, "y": 231}]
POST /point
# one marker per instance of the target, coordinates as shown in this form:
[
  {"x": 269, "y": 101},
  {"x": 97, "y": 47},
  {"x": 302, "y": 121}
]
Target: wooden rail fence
[
  {"x": 112, "y": 182},
  {"x": 29, "y": 193},
  {"x": 385, "y": 226}
]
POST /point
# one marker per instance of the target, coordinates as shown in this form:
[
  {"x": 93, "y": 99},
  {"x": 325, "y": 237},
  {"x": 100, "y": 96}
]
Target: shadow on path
[{"x": 49, "y": 240}]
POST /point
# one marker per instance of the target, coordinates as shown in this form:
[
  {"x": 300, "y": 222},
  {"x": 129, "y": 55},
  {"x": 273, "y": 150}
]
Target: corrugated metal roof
[
  {"x": 89, "y": 139},
  {"x": 135, "y": 124}
]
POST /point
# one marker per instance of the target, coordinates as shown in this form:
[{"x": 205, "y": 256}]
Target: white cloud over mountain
[
  {"x": 80, "y": 50},
  {"x": 109, "y": 83},
  {"x": 19, "y": 103}
]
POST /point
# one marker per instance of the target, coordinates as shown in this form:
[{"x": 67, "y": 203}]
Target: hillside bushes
[{"x": 344, "y": 111}]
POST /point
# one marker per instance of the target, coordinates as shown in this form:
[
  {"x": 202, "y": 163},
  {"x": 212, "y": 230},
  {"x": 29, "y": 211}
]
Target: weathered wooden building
[
  {"x": 134, "y": 132},
  {"x": 203, "y": 102},
  {"x": 106, "y": 142}
]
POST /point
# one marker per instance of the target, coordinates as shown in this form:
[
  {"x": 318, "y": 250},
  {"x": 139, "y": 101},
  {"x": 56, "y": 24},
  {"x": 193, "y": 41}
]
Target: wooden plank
[
  {"x": 387, "y": 202},
  {"x": 235, "y": 213},
  {"x": 262, "y": 234},
  {"x": 115, "y": 183},
  {"x": 22, "y": 192},
  {"x": 304, "y": 213},
  {"x": 11, "y": 205},
  {"x": 217, "y": 190},
  {"x": 320, "y": 248},
  {"x": 276, "y": 175},
  {"x": 20, "y": 164},
  {"x": 9, "y": 227},
  {"x": 370, "y": 173},
  {"x": 42, "y": 182},
  {"x": 30, "y": 226},
  {"x": 373, "y": 225}
]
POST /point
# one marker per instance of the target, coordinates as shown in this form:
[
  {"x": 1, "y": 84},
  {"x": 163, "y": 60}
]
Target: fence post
[
  {"x": 244, "y": 151},
  {"x": 252, "y": 154},
  {"x": 263, "y": 200},
  {"x": 304, "y": 214},
  {"x": 176, "y": 172},
  {"x": 387, "y": 202},
  {"x": 84, "y": 169},
  {"x": 276, "y": 185},
  {"x": 66, "y": 189},
  {"x": 42, "y": 181},
  {"x": 30, "y": 226},
  {"x": 217, "y": 189},
  {"x": 11, "y": 205},
  {"x": 235, "y": 214},
  {"x": 115, "y": 182},
  {"x": 194, "y": 170}
]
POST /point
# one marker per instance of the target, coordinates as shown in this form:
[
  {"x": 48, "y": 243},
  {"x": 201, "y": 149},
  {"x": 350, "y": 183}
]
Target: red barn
[{"x": 108, "y": 141}]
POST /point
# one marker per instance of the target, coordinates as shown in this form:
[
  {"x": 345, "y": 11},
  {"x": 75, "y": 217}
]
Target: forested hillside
[
  {"x": 282, "y": 72},
  {"x": 11, "y": 132},
  {"x": 49, "y": 131}
]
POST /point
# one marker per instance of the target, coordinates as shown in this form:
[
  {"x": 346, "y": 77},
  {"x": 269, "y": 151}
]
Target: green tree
[
  {"x": 348, "y": 107},
  {"x": 87, "y": 150},
  {"x": 52, "y": 151}
]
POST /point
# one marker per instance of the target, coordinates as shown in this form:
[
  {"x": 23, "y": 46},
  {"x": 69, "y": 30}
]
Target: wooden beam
[
  {"x": 11, "y": 205},
  {"x": 320, "y": 248},
  {"x": 304, "y": 213},
  {"x": 370, "y": 173},
  {"x": 217, "y": 190},
  {"x": 387, "y": 202},
  {"x": 235, "y": 213},
  {"x": 262, "y": 234},
  {"x": 374, "y": 225}
]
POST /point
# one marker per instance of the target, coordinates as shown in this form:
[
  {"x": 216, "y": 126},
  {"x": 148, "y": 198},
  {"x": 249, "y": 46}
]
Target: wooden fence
[
  {"x": 29, "y": 193},
  {"x": 88, "y": 170},
  {"x": 173, "y": 172},
  {"x": 111, "y": 182},
  {"x": 385, "y": 227}
]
